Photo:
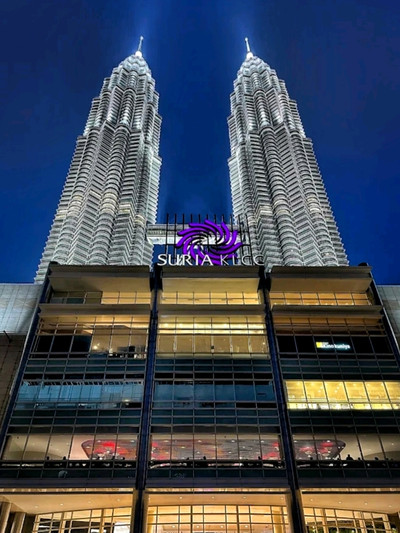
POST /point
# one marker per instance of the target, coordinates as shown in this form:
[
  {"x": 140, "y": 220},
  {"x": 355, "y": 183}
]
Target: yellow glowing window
[
  {"x": 376, "y": 390},
  {"x": 315, "y": 391},
  {"x": 295, "y": 390},
  {"x": 185, "y": 297},
  {"x": 343, "y": 394},
  {"x": 336, "y": 391},
  {"x": 309, "y": 295},
  {"x": 356, "y": 390},
  {"x": 280, "y": 295},
  {"x": 393, "y": 389},
  {"x": 110, "y": 297}
]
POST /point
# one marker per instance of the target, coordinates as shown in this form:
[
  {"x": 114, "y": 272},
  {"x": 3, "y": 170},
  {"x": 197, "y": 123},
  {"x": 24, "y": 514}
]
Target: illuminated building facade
[
  {"x": 111, "y": 190},
  {"x": 274, "y": 175},
  {"x": 205, "y": 399}
]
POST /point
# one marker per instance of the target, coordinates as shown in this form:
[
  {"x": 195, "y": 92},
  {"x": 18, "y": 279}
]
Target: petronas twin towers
[
  {"x": 111, "y": 191},
  {"x": 110, "y": 195}
]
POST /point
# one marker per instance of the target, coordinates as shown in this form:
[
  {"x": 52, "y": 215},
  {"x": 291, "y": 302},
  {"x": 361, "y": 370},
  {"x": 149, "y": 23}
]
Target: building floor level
[
  {"x": 207, "y": 510},
  {"x": 204, "y": 399}
]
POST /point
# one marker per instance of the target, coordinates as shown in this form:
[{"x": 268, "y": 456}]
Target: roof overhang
[{"x": 320, "y": 279}]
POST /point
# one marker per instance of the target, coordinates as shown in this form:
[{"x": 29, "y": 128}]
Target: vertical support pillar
[
  {"x": 325, "y": 527},
  {"x": 359, "y": 524},
  {"x": 62, "y": 523},
  {"x": 137, "y": 525},
  {"x": 4, "y": 515},
  {"x": 278, "y": 522},
  {"x": 386, "y": 524},
  {"x": 18, "y": 522},
  {"x": 102, "y": 521},
  {"x": 137, "y": 513},
  {"x": 295, "y": 510}
]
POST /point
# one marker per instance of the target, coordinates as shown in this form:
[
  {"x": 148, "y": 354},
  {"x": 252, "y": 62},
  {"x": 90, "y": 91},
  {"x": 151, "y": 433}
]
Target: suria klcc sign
[{"x": 209, "y": 244}]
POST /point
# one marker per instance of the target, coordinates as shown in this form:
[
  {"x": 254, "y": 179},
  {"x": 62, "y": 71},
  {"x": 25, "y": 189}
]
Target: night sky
[{"x": 340, "y": 60}]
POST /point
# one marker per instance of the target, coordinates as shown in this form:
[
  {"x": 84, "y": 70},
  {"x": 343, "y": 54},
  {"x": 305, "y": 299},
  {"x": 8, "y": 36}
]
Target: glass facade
[
  {"x": 232, "y": 518},
  {"x": 214, "y": 406},
  {"x": 209, "y": 406}
]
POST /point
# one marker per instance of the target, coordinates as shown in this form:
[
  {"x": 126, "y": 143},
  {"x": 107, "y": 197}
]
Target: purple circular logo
[{"x": 208, "y": 241}]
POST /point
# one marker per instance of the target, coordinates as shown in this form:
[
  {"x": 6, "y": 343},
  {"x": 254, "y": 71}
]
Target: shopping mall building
[{"x": 204, "y": 399}]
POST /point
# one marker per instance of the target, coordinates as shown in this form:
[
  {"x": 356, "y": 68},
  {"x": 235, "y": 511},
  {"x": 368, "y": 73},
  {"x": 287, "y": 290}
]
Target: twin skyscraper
[{"x": 111, "y": 192}]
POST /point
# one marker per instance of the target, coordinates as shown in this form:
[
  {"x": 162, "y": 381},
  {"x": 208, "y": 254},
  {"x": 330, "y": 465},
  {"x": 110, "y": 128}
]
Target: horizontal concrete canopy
[
  {"x": 100, "y": 278},
  {"x": 320, "y": 279}
]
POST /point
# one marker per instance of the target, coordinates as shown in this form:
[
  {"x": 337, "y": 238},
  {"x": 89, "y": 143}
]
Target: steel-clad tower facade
[
  {"x": 111, "y": 190},
  {"x": 274, "y": 175}
]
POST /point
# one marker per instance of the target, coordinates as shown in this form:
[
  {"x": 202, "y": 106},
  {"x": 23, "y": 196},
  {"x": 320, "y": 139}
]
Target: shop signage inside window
[{"x": 323, "y": 345}]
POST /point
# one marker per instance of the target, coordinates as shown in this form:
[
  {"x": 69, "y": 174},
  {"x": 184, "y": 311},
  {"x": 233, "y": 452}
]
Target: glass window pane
[
  {"x": 166, "y": 343},
  {"x": 184, "y": 344},
  {"x": 265, "y": 393},
  {"x": 315, "y": 391},
  {"x": 61, "y": 343},
  {"x": 204, "y": 391},
  {"x": 286, "y": 344},
  {"x": 100, "y": 342},
  {"x": 295, "y": 391},
  {"x": 202, "y": 343},
  {"x": 362, "y": 345},
  {"x": 222, "y": 344},
  {"x": 371, "y": 447},
  {"x": 336, "y": 392},
  {"x": 224, "y": 392},
  {"x": 163, "y": 392},
  {"x": 305, "y": 344},
  {"x": 43, "y": 343},
  {"x": 183, "y": 391},
  {"x": 381, "y": 345},
  {"x": 14, "y": 447},
  {"x": 59, "y": 446},
  {"x": 393, "y": 388},
  {"x": 258, "y": 344},
  {"x": 376, "y": 390},
  {"x": 119, "y": 343},
  {"x": 240, "y": 344},
  {"x": 81, "y": 343}
]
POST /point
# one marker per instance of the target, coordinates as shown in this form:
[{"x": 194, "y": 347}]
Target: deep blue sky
[{"x": 340, "y": 60}]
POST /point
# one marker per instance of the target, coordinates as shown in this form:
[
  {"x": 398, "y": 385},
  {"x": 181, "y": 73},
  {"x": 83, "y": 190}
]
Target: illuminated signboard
[
  {"x": 322, "y": 345},
  {"x": 210, "y": 244}
]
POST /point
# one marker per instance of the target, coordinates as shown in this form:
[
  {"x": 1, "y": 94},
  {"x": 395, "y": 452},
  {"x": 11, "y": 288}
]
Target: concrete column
[
  {"x": 139, "y": 513},
  {"x": 325, "y": 527},
  {"x": 18, "y": 522},
  {"x": 361, "y": 523},
  {"x": 295, "y": 524},
  {"x": 4, "y": 515},
  {"x": 145, "y": 511},
  {"x": 137, "y": 519},
  {"x": 61, "y": 527},
  {"x": 386, "y": 523},
  {"x": 102, "y": 520},
  {"x": 278, "y": 520}
]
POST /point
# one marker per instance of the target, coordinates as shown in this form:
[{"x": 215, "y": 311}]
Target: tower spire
[
  {"x": 249, "y": 52},
  {"x": 138, "y": 52}
]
